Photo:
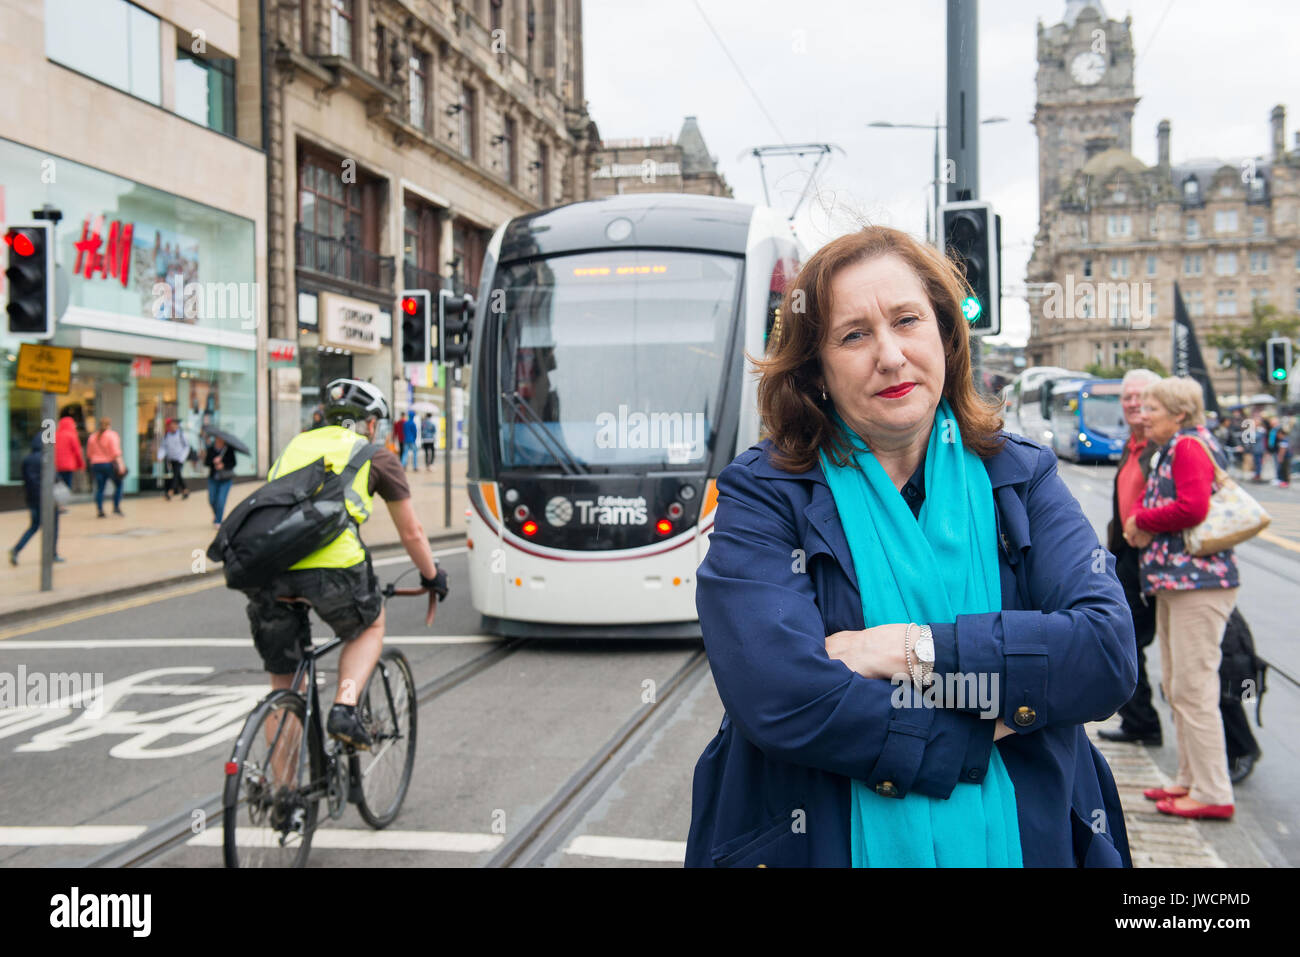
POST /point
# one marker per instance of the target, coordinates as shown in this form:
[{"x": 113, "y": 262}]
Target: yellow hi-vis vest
[{"x": 336, "y": 444}]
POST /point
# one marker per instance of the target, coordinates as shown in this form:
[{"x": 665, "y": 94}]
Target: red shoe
[
  {"x": 1221, "y": 812},
  {"x": 1160, "y": 794}
]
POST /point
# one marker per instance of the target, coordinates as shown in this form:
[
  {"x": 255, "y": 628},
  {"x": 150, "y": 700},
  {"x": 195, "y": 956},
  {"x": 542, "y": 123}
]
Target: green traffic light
[
  {"x": 971, "y": 308},
  {"x": 1279, "y": 374}
]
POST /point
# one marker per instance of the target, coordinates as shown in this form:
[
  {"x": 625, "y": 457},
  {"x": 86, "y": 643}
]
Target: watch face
[
  {"x": 925, "y": 649},
  {"x": 1087, "y": 68}
]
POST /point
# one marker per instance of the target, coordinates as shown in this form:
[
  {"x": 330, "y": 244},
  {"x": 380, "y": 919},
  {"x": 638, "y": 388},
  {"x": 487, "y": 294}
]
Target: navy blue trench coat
[{"x": 772, "y": 787}]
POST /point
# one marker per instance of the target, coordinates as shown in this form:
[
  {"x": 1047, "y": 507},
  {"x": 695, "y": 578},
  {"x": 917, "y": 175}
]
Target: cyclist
[{"x": 338, "y": 580}]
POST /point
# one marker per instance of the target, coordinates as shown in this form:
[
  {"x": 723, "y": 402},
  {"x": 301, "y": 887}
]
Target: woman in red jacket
[
  {"x": 67, "y": 450},
  {"x": 1196, "y": 594}
]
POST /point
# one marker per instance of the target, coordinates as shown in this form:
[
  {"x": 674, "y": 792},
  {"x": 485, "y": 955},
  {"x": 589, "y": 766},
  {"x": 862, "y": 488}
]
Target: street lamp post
[{"x": 936, "y": 126}]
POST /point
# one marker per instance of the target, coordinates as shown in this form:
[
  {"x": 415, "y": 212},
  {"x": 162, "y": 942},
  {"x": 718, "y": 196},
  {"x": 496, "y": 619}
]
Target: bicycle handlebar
[{"x": 390, "y": 590}]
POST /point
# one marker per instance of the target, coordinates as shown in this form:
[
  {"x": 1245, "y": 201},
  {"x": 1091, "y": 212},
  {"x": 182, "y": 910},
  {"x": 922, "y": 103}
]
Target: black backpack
[
  {"x": 285, "y": 520},
  {"x": 1242, "y": 673}
]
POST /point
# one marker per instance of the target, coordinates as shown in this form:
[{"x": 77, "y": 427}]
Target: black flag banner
[{"x": 1188, "y": 360}]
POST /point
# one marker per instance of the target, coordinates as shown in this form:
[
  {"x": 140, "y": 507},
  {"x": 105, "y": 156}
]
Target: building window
[
  {"x": 421, "y": 241},
  {"x": 1196, "y": 303},
  {"x": 1119, "y": 267},
  {"x": 419, "y": 79},
  {"x": 1119, "y": 225},
  {"x": 1259, "y": 295},
  {"x": 1193, "y": 229},
  {"x": 544, "y": 180},
  {"x": 1083, "y": 230},
  {"x": 1191, "y": 192},
  {"x": 1259, "y": 262},
  {"x": 1151, "y": 310},
  {"x": 467, "y": 128},
  {"x": 109, "y": 40},
  {"x": 326, "y": 205},
  {"x": 1151, "y": 265},
  {"x": 1226, "y": 302},
  {"x": 1097, "y": 354},
  {"x": 1225, "y": 221},
  {"x": 205, "y": 90},
  {"x": 1258, "y": 226},
  {"x": 1193, "y": 264},
  {"x": 1258, "y": 190},
  {"x": 1087, "y": 269},
  {"x": 1297, "y": 260},
  {"x": 1225, "y": 264},
  {"x": 343, "y": 15},
  {"x": 1297, "y": 298},
  {"x": 508, "y": 151}
]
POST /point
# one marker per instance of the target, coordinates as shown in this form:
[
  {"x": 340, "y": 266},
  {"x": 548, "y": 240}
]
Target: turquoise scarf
[{"x": 928, "y": 570}]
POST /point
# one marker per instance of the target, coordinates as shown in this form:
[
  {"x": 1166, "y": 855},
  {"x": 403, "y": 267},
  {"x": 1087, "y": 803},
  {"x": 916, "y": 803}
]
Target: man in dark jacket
[
  {"x": 1138, "y": 718},
  {"x": 32, "y": 488}
]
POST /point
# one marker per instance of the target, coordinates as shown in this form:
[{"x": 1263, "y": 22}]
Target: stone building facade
[
  {"x": 1115, "y": 235},
  {"x": 658, "y": 165},
  {"x": 399, "y": 136}
]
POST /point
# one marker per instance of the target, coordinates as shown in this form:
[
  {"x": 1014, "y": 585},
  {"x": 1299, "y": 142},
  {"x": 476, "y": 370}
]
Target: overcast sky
[{"x": 824, "y": 69}]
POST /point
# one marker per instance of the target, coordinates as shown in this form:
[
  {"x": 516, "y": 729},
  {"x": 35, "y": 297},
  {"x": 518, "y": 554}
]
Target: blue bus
[{"x": 1087, "y": 421}]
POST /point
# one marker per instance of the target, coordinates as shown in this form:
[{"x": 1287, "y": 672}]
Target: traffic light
[
  {"x": 31, "y": 280},
  {"x": 455, "y": 320},
  {"x": 414, "y": 305},
  {"x": 970, "y": 234},
  {"x": 1277, "y": 359}
]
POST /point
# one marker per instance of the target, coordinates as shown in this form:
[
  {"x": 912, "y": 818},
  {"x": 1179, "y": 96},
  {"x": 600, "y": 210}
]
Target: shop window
[
  {"x": 205, "y": 90},
  {"x": 110, "y": 40}
]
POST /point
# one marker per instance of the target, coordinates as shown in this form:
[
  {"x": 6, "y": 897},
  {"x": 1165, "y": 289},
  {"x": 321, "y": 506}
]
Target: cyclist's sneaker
[{"x": 346, "y": 725}]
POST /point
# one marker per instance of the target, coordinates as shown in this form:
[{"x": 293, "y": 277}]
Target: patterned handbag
[{"x": 1234, "y": 516}]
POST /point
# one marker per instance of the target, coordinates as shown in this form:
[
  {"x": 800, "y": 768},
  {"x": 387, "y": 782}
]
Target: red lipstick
[{"x": 896, "y": 391}]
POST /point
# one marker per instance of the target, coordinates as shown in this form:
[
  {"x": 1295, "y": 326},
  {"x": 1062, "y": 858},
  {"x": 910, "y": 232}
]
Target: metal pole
[
  {"x": 937, "y": 186},
  {"x": 447, "y": 442},
  {"x": 963, "y": 123},
  {"x": 48, "y": 516}
]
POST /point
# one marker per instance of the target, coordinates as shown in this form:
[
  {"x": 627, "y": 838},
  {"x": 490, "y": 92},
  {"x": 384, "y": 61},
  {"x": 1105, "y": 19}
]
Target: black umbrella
[{"x": 229, "y": 439}]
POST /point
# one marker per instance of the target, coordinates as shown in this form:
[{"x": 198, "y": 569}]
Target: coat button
[
  {"x": 973, "y": 774},
  {"x": 1025, "y": 716},
  {"x": 887, "y": 789}
]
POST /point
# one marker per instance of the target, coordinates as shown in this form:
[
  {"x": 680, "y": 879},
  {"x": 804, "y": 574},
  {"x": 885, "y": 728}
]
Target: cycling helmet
[{"x": 352, "y": 399}]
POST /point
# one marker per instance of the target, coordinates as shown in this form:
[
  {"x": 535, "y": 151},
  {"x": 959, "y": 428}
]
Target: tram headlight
[
  {"x": 530, "y": 528},
  {"x": 512, "y": 495},
  {"x": 686, "y": 493}
]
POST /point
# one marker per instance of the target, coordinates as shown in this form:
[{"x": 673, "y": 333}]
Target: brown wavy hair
[{"x": 795, "y": 416}]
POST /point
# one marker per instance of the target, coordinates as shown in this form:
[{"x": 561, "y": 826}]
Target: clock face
[{"x": 1087, "y": 68}]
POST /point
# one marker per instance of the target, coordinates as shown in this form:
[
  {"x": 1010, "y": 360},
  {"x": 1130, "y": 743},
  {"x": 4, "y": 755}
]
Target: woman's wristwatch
[{"x": 922, "y": 673}]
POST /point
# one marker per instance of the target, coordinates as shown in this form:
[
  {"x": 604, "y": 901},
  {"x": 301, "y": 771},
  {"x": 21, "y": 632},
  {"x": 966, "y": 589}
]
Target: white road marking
[
  {"x": 364, "y": 839},
  {"x": 83, "y": 644},
  {"x": 84, "y": 834},
  {"x": 628, "y": 848},
  {"x": 398, "y": 559}
]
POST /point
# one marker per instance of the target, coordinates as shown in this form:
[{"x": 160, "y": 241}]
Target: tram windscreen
[{"x": 612, "y": 359}]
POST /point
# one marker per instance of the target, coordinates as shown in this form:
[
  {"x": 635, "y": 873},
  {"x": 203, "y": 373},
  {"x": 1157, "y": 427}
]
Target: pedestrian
[
  {"x": 67, "y": 450},
  {"x": 411, "y": 441},
  {"x": 886, "y": 530},
  {"x": 104, "y": 450},
  {"x": 1194, "y": 595},
  {"x": 173, "y": 451},
  {"x": 317, "y": 420},
  {"x": 429, "y": 434},
  {"x": 31, "y": 469},
  {"x": 220, "y": 460},
  {"x": 1281, "y": 454},
  {"x": 1139, "y": 721},
  {"x": 1260, "y": 451},
  {"x": 399, "y": 436}
]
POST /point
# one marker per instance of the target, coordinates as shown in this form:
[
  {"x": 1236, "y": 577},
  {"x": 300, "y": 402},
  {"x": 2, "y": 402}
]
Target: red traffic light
[
  {"x": 409, "y": 305},
  {"x": 21, "y": 243}
]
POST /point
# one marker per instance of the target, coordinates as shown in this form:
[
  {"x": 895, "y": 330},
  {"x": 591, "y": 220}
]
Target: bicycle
[{"x": 271, "y": 799}]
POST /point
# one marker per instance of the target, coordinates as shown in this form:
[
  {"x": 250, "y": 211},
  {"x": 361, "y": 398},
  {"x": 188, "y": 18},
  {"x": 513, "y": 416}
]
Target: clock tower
[{"x": 1085, "y": 96}]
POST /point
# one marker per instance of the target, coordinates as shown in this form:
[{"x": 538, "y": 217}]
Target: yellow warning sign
[{"x": 44, "y": 368}]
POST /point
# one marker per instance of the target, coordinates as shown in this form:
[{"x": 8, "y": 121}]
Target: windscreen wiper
[{"x": 553, "y": 445}]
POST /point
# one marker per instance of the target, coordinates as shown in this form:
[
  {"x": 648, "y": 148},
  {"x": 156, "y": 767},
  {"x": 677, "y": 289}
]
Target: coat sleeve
[
  {"x": 766, "y": 642},
  {"x": 1071, "y": 659}
]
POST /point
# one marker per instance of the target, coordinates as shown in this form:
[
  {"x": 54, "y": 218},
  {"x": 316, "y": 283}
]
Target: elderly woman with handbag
[
  {"x": 1195, "y": 592},
  {"x": 907, "y": 615}
]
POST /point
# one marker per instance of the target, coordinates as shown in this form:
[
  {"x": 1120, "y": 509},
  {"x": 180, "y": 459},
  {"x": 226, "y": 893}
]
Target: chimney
[
  {"x": 1162, "y": 144},
  {"x": 1278, "y": 118}
]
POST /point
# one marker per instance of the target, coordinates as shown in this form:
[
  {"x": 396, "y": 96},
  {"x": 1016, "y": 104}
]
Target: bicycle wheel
[
  {"x": 388, "y": 707},
  {"x": 270, "y": 811}
]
